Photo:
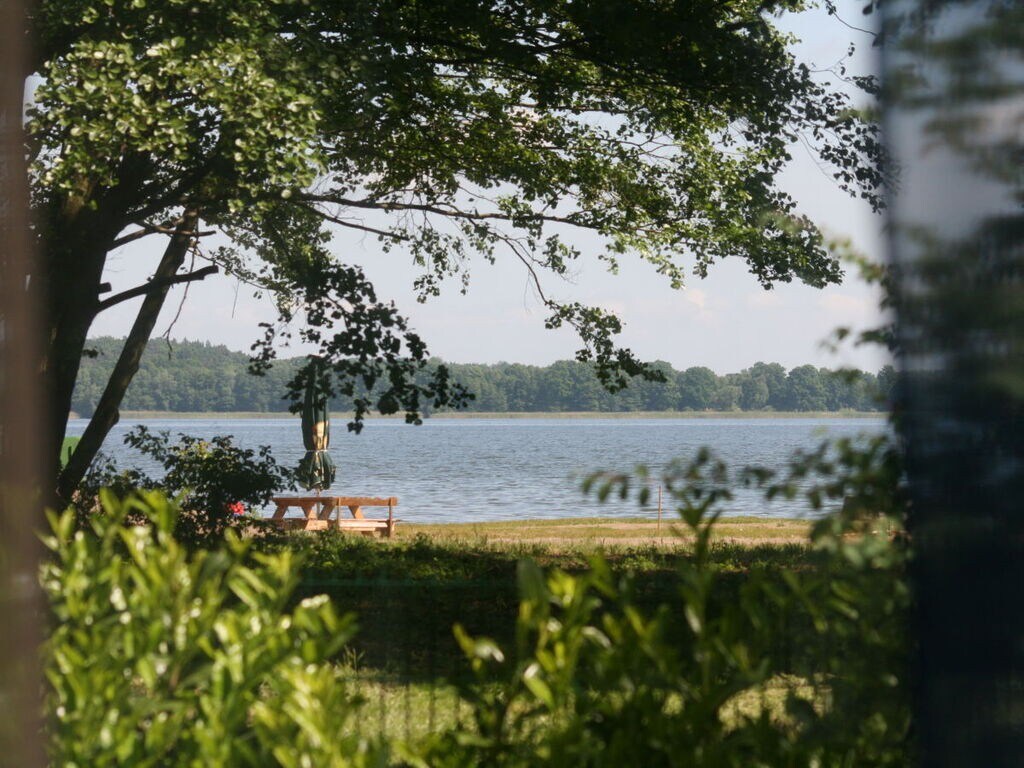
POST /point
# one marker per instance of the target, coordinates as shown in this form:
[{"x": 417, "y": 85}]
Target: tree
[
  {"x": 886, "y": 385},
  {"x": 806, "y": 390},
  {"x": 661, "y": 395},
  {"x": 753, "y": 392},
  {"x": 726, "y": 397},
  {"x": 836, "y": 389},
  {"x": 774, "y": 377},
  {"x": 959, "y": 323},
  {"x": 697, "y": 387},
  {"x": 448, "y": 128}
]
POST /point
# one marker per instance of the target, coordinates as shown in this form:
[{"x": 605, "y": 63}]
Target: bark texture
[{"x": 108, "y": 412}]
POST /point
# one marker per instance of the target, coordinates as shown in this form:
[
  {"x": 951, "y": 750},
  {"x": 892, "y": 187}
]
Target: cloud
[
  {"x": 691, "y": 304},
  {"x": 764, "y": 299},
  {"x": 697, "y": 298},
  {"x": 617, "y": 307},
  {"x": 845, "y": 305}
]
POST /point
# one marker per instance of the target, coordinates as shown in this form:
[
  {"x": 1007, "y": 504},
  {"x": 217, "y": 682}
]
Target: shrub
[
  {"x": 163, "y": 657},
  {"x": 804, "y": 670},
  {"x": 208, "y": 477}
]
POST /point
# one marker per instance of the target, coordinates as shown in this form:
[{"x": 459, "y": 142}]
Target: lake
[{"x": 463, "y": 470}]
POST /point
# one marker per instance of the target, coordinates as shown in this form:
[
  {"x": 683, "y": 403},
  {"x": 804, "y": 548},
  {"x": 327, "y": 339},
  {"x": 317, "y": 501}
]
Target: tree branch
[
  {"x": 153, "y": 229},
  {"x": 517, "y": 249},
  {"x": 156, "y": 284},
  {"x": 353, "y": 225},
  {"x": 107, "y": 410},
  {"x": 453, "y": 213}
]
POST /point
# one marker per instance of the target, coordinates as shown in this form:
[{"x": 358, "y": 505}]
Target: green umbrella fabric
[{"x": 316, "y": 469}]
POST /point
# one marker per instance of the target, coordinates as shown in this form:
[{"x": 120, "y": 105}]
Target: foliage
[
  {"x": 596, "y": 680},
  {"x": 409, "y": 593},
  {"x": 208, "y": 477},
  {"x": 599, "y": 669},
  {"x": 334, "y": 557},
  {"x": 66, "y": 449},
  {"x": 159, "y": 657},
  {"x": 449, "y": 129},
  {"x": 197, "y": 376}
]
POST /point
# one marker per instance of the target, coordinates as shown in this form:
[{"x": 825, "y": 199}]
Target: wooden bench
[{"x": 318, "y": 510}]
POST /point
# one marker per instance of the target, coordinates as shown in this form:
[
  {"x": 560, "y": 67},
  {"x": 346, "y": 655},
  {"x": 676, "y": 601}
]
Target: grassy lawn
[
  {"x": 604, "y": 532},
  {"x": 409, "y": 591},
  {"x": 412, "y": 711},
  {"x": 468, "y": 552},
  {"x": 407, "y": 711}
]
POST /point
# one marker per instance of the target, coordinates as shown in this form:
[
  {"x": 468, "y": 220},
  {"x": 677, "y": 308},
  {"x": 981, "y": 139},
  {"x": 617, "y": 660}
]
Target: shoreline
[{"x": 342, "y": 416}]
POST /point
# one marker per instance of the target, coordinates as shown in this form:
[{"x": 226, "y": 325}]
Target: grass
[
  {"x": 396, "y": 709},
  {"x": 771, "y": 697},
  {"x": 409, "y": 591},
  {"x": 447, "y": 554},
  {"x": 413, "y": 711},
  {"x": 603, "y": 532}
]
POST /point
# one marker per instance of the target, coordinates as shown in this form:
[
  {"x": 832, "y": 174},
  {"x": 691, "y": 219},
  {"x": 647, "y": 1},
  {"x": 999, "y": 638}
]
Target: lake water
[{"x": 464, "y": 470}]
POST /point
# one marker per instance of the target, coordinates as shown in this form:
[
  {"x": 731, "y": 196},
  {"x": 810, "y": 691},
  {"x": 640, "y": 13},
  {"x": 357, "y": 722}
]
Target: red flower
[{"x": 235, "y": 508}]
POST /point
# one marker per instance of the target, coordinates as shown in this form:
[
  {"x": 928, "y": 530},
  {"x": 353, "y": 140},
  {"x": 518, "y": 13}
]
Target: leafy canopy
[{"x": 448, "y": 128}]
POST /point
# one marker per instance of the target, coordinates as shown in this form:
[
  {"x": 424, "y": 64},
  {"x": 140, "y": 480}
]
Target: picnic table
[{"x": 323, "y": 512}]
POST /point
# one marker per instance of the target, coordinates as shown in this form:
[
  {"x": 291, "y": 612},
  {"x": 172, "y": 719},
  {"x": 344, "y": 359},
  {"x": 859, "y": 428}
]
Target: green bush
[
  {"x": 207, "y": 477},
  {"x": 596, "y": 680},
  {"x": 162, "y": 655},
  {"x": 159, "y": 656}
]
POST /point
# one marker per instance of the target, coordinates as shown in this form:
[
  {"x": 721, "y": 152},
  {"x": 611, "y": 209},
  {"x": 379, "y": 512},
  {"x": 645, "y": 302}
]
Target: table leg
[
  {"x": 357, "y": 513},
  {"x": 326, "y": 508},
  {"x": 309, "y": 511}
]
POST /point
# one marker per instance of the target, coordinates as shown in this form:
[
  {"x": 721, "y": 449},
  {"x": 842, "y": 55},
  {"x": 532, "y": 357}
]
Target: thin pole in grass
[{"x": 659, "y": 510}]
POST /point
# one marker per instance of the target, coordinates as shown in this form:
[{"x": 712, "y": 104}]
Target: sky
[{"x": 726, "y": 322}]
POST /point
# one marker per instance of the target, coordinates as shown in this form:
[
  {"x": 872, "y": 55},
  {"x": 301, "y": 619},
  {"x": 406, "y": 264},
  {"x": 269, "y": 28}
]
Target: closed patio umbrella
[{"x": 316, "y": 469}]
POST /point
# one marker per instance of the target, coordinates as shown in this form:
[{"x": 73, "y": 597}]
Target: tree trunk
[
  {"x": 79, "y": 231},
  {"x": 76, "y": 255},
  {"x": 107, "y": 412}
]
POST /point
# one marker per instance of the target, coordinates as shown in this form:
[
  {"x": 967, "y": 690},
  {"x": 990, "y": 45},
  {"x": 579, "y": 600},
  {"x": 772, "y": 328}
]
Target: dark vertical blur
[
  {"x": 954, "y": 74},
  {"x": 21, "y": 426}
]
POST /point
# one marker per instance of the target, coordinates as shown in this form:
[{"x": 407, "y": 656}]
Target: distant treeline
[{"x": 198, "y": 376}]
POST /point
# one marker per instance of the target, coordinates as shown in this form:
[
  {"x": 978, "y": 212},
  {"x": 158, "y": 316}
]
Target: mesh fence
[
  {"x": 405, "y": 660},
  {"x": 407, "y": 665}
]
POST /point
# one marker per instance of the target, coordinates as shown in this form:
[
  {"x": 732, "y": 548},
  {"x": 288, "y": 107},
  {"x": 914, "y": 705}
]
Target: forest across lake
[{"x": 191, "y": 376}]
